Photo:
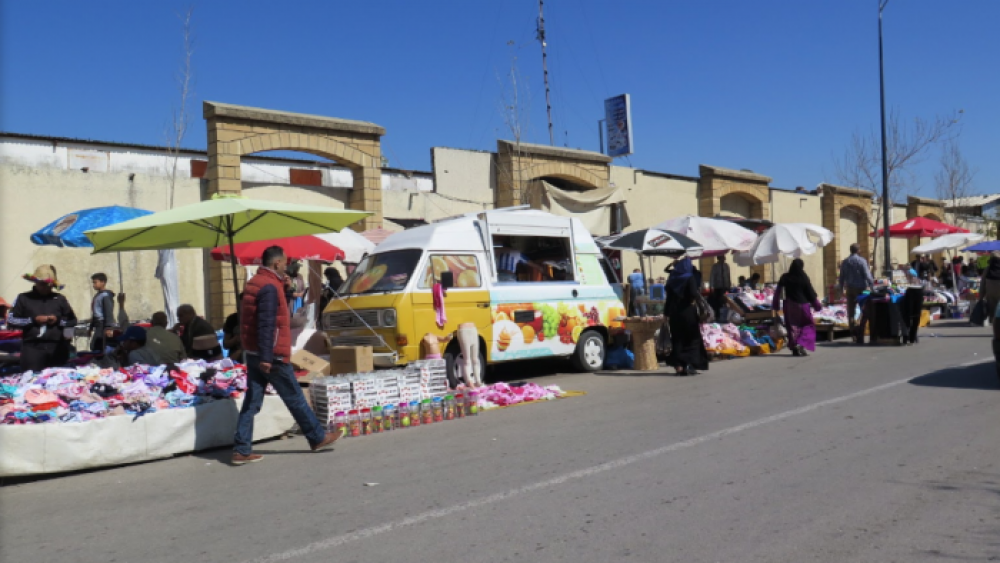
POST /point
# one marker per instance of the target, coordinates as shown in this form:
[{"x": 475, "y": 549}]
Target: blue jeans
[{"x": 282, "y": 378}]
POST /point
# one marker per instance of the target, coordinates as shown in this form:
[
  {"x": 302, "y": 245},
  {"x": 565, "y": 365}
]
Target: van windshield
[{"x": 383, "y": 272}]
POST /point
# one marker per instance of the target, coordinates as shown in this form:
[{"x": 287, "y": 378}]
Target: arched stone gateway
[
  {"x": 845, "y": 213},
  {"x": 235, "y": 131},
  {"x": 518, "y": 164},
  {"x": 739, "y": 193},
  {"x": 923, "y": 207}
]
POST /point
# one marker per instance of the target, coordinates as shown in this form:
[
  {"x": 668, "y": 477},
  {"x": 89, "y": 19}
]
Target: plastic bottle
[
  {"x": 354, "y": 423},
  {"x": 426, "y": 412},
  {"x": 437, "y": 409},
  {"x": 460, "y": 406},
  {"x": 376, "y": 420},
  {"x": 388, "y": 418},
  {"x": 472, "y": 403},
  {"x": 449, "y": 407},
  {"x": 366, "y": 422},
  {"x": 415, "y": 419},
  {"x": 340, "y": 423},
  {"x": 403, "y": 417}
]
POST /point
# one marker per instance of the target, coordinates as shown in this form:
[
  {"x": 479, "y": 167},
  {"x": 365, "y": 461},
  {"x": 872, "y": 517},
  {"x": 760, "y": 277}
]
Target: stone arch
[
  {"x": 716, "y": 184},
  {"x": 577, "y": 175},
  {"x": 518, "y": 164},
  {"x": 922, "y": 207},
  {"x": 739, "y": 204},
  {"x": 235, "y": 131},
  {"x": 840, "y": 203}
]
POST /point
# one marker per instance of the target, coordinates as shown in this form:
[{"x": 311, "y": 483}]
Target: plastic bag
[{"x": 619, "y": 358}]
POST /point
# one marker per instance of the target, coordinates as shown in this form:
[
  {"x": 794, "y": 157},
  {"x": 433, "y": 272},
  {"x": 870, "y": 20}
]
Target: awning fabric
[{"x": 591, "y": 206}]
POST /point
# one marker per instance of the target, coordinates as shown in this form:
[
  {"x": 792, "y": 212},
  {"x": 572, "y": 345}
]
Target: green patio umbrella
[{"x": 218, "y": 221}]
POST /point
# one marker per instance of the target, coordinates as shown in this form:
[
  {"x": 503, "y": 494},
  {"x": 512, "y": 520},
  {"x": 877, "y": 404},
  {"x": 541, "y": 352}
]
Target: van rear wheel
[{"x": 589, "y": 354}]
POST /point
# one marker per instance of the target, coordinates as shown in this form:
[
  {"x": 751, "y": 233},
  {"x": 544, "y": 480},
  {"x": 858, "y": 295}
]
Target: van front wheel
[
  {"x": 455, "y": 362},
  {"x": 589, "y": 354}
]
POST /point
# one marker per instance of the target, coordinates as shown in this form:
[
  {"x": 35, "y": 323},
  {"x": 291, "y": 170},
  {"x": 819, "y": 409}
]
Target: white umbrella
[
  {"x": 353, "y": 244},
  {"x": 787, "y": 239},
  {"x": 716, "y": 236},
  {"x": 947, "y": 242}
]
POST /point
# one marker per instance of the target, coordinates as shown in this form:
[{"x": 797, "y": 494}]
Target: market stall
[
  {"x": 648, "y": 243},
  {"x": 69, "y": 419}
]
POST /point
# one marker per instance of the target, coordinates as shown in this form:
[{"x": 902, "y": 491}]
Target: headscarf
[{"x": 679, "y": 275}]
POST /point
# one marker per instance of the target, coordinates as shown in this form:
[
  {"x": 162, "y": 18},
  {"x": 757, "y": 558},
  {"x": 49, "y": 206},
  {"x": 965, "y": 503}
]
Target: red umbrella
[
  {"x": 920, "y": 227},
  {"x": 307, "y": 247}
]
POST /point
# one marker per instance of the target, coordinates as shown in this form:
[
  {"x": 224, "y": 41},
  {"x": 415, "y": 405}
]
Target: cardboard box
[
  {"x": 351, "y": 359},
  {"x": 312, "y": 362}
]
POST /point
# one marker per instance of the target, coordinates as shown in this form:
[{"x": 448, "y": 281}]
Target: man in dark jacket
[
  {"x": 267, "y": 344},
  {"x": 42, "y": 314},
  {"x": 102, "y": 309}
]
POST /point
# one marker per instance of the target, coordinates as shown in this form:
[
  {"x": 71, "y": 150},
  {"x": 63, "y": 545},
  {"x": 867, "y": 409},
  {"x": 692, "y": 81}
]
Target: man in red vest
[{"x": 267, "y": 345}]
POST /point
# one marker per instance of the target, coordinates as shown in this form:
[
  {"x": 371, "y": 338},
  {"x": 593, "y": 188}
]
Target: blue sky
[{"x": 776, "y": 86}]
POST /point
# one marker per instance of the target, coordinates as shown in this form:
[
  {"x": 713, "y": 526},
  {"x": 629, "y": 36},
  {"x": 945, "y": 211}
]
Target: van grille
[
  {"x": 348, "y": 319},
  {"x": 372, "y": 341}
]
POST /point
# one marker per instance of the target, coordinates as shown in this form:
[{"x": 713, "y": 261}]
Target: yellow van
[{"x": 534, "y": 285}]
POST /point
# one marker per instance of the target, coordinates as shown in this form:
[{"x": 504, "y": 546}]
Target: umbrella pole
[
  {"x": 232, "y": 264},
  {"x": 121, "y": 281}
]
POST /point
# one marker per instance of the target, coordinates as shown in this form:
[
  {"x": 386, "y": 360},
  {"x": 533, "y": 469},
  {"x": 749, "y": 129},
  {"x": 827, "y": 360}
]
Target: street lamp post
[{"x": 887, "y": 267}]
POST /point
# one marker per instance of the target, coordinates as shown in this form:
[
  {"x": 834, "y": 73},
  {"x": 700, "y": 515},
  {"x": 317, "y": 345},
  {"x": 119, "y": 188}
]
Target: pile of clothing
[
  {"x": 88, "y": 393},
  {"x": 833, "y": 314},
  {"x": 723, "y": 338},
  {"x": 503, "y": 394}
]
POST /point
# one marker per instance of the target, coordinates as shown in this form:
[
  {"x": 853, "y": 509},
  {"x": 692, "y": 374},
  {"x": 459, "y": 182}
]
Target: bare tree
[
  {"x": 181, "y": 117},
  {"x": 515, "y": 104},
  {"x": 907, "y": 144},
  {"x": 954, "y": 180}
]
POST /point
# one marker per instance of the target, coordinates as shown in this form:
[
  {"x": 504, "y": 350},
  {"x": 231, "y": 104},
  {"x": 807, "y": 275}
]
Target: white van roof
[{"x": 460, "y": 233}]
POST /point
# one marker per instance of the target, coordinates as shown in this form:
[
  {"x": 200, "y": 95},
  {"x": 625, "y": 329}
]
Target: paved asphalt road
[{"x": 852, "y": 454}]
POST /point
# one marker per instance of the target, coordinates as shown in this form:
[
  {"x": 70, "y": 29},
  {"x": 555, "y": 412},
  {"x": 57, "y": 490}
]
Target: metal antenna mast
[{"x": 545, "y": 69}]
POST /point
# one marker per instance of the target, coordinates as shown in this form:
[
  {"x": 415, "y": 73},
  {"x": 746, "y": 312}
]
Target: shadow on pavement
[{"x": 979, "y": 376}]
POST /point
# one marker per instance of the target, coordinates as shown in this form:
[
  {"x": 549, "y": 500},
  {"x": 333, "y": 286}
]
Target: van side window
[
  {"x": 464, "y": 267},
  {"x": 531, "y": 259}
]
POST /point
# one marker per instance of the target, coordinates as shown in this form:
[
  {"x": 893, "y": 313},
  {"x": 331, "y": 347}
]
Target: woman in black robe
[{"x": 687, "y": 354}]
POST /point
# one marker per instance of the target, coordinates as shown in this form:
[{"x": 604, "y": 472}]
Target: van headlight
[{"x": 389, "y": 318}]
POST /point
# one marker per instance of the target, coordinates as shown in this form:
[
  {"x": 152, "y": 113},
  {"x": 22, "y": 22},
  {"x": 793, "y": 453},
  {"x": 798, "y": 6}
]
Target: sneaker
[
  {"x": 240, "y": 459},
  {"x": 331, "y": 437}
]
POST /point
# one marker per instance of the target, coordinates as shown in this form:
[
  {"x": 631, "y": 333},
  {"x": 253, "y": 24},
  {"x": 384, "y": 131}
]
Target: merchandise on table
[{"x": 87, "y": 393}]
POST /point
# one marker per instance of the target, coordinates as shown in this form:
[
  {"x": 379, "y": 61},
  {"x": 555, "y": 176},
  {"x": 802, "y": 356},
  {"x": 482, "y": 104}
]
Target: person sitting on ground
[
  {"x": 752, "y": 283},
  {"x": 164, "y": 346},
  {"x": 197, "y": 335},
  {"x": 4, "y": 309},
  {"x": 231, "y": 335},
  {"x": 133, "y": 344}
]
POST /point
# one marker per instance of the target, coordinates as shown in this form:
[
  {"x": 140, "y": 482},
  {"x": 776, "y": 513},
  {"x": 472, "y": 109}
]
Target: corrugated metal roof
[{"x": 973, "y": 201}]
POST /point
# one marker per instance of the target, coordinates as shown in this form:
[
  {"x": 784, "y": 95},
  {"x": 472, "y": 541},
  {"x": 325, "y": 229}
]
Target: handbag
[
  {"x": 705, "y": 313},
  {"x": 978, "y": 315}
]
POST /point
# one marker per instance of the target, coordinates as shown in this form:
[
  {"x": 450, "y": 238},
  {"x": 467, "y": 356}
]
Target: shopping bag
[
  {"x": 705, "y": 313},
  {"x": 978, "y": 316},
  {"x": 663, "y": 342}
]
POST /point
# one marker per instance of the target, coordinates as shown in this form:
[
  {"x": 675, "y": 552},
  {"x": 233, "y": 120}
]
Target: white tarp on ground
[
  {"x": 36, "y": 449},
  {"x": 592, "y": 207}
]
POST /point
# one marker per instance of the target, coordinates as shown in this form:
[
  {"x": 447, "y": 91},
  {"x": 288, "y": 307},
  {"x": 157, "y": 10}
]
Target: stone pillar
[{"x": 367, "y": 196}]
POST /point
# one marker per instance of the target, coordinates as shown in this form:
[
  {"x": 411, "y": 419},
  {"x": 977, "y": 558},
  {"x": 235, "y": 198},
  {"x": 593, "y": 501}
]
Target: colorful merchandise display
[{"x": 88, "y": 393}]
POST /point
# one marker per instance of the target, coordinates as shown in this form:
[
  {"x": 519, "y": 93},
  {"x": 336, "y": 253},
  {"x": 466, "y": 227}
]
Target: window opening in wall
[{"x": 533, "y": 259}]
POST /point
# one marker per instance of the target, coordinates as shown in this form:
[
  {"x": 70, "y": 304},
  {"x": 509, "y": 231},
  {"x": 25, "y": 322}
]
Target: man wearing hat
[
  {"x": 134, "y": 345},
  {"x": 42, "y": 314}
]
